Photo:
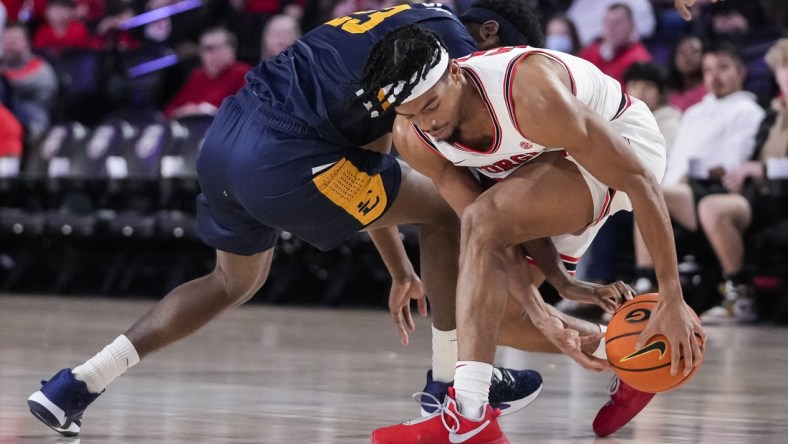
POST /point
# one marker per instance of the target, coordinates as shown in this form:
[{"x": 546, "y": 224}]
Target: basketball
[{"x": 647, "y": 369}]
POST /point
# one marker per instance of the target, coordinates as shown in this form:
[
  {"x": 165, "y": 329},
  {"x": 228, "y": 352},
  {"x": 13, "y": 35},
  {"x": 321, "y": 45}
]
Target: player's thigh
[
  {"x": 547, "y": 196},
  {"x": 417, "y": 202}
]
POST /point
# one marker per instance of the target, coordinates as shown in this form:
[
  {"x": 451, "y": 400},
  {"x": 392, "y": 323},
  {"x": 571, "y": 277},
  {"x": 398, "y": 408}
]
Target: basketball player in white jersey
[{"x": 565, "y": 148}]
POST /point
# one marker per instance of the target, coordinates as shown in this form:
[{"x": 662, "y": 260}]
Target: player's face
[
  {"x": 436, "y": 112},
  {"x": 722, "y": 75}
]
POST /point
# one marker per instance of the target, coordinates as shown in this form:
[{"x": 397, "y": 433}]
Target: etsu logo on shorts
[{"x": 512, "y": 162}]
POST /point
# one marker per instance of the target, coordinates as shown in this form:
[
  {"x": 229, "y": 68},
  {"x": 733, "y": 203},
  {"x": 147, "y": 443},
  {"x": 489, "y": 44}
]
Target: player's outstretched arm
[
  {"x": 405, "y": 283},
  {"x": 556, "y": 118}
]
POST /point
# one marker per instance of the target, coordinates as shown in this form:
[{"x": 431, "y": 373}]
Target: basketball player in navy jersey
[
  {"x": 564, "y": 147},
  {"x": 285, "y": 153}
]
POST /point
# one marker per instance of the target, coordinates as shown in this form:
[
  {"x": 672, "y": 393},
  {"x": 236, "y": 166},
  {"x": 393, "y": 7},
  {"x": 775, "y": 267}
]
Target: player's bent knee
[{"x": 479, "y": 229}]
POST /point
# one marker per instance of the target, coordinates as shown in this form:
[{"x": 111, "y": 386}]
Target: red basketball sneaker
[
  {"x": 445, "y": 426},
  {"x": 625, "y": 403}
]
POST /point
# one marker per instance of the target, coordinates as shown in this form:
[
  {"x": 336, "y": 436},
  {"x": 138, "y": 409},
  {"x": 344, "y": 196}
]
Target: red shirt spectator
[
  {"x": 201, "y": 88},
  {"x": 219, "y": 76},
  {"x": 16, "y": 12},
  {"x": 10, "y": 134},
  {"x": 62, "y": 30},
  {"x": 622, "y": 58},
  {"x": 74, "y": 36},
  {"x": 619, "y": 47}
]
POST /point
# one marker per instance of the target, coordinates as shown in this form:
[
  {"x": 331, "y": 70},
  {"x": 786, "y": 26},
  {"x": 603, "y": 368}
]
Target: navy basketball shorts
[{"x": 262, "y": 172}]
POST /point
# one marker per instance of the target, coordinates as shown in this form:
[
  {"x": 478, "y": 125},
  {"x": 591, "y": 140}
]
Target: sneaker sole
[
  {"x": 516, "y": 406},
  {"x": 47, "y": 412}
]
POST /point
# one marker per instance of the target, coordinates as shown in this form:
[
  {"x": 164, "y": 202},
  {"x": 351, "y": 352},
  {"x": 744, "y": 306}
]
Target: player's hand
[
  {"x": 679, "y": 325},
  {"x": 609, "y": 297},
  {"x": 683, "y": 6},
  {"x": 402, "y": 291},
  {"x": 570, "y": 342}
]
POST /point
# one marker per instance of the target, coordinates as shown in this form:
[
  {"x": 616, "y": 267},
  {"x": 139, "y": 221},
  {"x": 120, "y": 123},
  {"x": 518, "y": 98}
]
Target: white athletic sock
[
  {"x": 472, "y": 387},
  {"x": 107, "y": 365},
  {"x": 444, "y": 354},
  {"x": 600, "y": 350}
]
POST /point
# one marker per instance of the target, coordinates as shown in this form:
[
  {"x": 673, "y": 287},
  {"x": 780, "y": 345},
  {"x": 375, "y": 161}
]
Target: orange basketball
[{"x": 647, "y": 369}]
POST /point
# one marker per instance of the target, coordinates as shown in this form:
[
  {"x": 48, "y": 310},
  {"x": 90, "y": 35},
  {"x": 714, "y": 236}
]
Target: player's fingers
[
  {"x": 675, "y": 357},
  {"x": 626, "y": 291},
  {"x": 688, "y": 356},
  {"x": 590, "y": 362},
  {"x": 399, "y": 323},
  {"x": 644, "y": 336},
  {"x": 408, "y": 318},
  {"x": 683, "y": 9},
  {"x": 421, "y": 303},
  {"x": 697, "y": 350},
  {"x": 609, "y": 304},
  {"x": 593, "y": 338}
]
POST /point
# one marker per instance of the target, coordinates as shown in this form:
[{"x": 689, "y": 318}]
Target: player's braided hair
[{"x": 395, "y": 58}]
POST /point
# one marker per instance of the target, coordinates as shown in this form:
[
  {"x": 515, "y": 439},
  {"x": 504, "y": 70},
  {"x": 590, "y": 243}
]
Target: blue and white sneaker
[
  {"x": 61, "y": 402},
  {"x": 510, "y": 390}
]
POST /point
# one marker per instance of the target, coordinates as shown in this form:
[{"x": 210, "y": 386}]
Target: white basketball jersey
[{"x": 492, "y": 73}]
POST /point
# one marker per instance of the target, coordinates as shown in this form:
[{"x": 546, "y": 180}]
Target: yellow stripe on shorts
[{"x": 361, "y": 195}]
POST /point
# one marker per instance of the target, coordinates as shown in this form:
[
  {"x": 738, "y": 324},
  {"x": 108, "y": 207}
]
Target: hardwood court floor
[{"x": 285, "y": 375}]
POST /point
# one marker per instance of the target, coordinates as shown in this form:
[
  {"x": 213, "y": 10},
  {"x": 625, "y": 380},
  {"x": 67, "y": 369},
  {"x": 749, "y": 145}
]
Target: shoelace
[{"x": 439, "y": 408}]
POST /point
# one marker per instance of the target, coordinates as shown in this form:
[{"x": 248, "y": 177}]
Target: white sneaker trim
[
  {"x": 41, "y": 399},
  {"x": 457, "y": 438}
]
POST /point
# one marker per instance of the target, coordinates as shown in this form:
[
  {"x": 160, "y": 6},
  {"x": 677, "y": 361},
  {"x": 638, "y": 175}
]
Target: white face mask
[{"x": 558, "y": 42}]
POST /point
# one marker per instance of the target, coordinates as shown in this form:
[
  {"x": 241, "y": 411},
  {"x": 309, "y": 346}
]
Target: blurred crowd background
[{"x": 103, "y": 104}]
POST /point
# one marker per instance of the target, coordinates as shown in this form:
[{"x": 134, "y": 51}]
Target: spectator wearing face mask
[{"x": 561, "y": 35}]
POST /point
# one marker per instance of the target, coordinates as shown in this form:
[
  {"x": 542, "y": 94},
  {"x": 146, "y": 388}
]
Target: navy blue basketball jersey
[{"x": 316, "y": 79}]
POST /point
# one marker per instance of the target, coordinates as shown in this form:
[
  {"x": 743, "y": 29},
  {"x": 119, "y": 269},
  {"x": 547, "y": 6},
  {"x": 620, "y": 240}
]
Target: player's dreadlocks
[
  {"x": 394, "y": 60},
  {"x": 516, "y": 13}
]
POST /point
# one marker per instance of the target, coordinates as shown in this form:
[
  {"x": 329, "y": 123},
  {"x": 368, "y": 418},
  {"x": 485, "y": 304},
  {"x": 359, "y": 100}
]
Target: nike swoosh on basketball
[
  {"x": 659, "y": 346},
  {"x": 457, "y": 438}
]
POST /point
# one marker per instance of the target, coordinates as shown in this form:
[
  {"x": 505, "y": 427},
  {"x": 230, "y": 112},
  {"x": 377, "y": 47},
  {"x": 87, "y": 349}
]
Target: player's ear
[
  {"x": 489, "y": 34},
  {"x": 455, "y": 72}
]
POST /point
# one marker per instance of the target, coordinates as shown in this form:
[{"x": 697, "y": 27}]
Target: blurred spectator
[
  {"x": 3, "y": 17},
  {"x": 219, "y": 76},
  {"x": 279, "y": 33},
  {"x": 62, "y": 30},
  {"x": 32, "y": 79},
  {"x": 588, "y": 16},
  {"x": 715, "y": 137},
  {"x": 561, "y": 35},
  {"x": 726, "y": 217},
  {"x": 620, "y": 46},
  {"x": 25, "y": 11},
  {"x": 109, "y": 36},
  {"x": 10, "y": 137},
  {"x": 645, "y": 81},
  {"x": 90, "y": 11},
  {"x": 686, "y": 75}
]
